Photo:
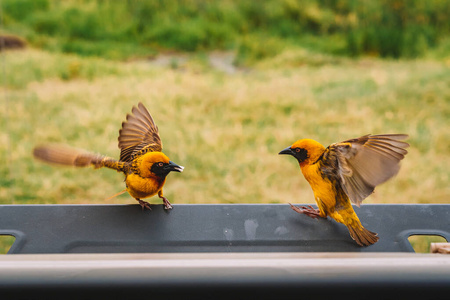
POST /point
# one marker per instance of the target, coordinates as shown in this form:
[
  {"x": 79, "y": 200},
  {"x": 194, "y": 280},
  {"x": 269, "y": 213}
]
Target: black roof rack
[
  {"x": 211, "y": 228},
  {"x": 217, "y": 251}
]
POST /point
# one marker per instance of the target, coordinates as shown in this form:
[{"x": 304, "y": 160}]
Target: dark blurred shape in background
[{"x": 11, "y": 42}]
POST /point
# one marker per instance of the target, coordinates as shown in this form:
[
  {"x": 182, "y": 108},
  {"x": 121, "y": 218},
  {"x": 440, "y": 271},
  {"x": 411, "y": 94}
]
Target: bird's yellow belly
[
  {"x": 139, "y": 187},
  {"x": 324, "y": 190}
]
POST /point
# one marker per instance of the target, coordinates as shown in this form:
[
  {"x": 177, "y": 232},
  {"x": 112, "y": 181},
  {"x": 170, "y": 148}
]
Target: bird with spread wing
[
  {"x": 345, "y": 173},
  {"x": 141, "y": 160}
]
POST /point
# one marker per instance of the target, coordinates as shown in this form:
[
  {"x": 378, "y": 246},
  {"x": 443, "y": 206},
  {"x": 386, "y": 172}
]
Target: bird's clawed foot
[
  {"x": 167, "y": 204},
  {"x": 144, "y": 204},
  {"x": 309, "y": 211}
]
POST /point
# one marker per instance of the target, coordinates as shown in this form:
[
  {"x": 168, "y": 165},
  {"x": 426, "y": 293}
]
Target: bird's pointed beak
[
  {"x": 288, "y": 151},
  {"x": 174, "y": 167}
]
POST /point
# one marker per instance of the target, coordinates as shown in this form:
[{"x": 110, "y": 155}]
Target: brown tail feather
[
  {"x": 67, "y": 156},
  {"x": 362, "y": 236}
]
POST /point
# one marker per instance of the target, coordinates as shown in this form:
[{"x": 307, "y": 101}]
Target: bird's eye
[
  {"x": 297, "y": 150},
  {"x": 160, "y": 164}
]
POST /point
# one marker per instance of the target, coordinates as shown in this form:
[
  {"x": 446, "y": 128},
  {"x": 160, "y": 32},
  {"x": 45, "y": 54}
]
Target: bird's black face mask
[
  {"x": 162, "y": 169},
  {"x": 299, "y": 153}
]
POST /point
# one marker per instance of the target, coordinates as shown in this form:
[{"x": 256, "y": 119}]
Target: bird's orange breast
[
  {"x": 139, "y": 187},
  {"x": 324, "y": 189}
]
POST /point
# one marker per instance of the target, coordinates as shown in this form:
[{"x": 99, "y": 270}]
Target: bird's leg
[
  {"x": 144, "y": 204},
  {"x": 309, "y": 211},
  {"x": 166, "y": 202}
]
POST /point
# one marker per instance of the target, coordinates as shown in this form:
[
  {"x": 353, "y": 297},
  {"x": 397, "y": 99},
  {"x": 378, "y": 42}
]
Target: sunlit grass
[
  {"x": 422, "y": 243},
  {"x": 225, "y": 129},
  {"x": 6, "y": 241}
]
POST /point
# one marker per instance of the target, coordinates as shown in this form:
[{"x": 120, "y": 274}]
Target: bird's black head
[
  {"x": 300, "y": 154},
  {"x": 161, "y": 169}
]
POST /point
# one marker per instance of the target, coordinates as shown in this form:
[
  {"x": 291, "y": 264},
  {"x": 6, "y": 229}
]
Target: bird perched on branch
[
  {"x": 347, "y": 172},
  {"x": 141, "y": 160}
]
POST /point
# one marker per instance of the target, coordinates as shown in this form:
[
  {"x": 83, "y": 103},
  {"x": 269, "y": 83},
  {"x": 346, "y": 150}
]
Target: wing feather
[
  {"x": 139, "y": 134},
  {"x": 368, "y": 161}
]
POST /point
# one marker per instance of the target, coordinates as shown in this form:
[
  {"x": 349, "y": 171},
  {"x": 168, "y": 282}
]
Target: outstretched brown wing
[
  {"x": 368, "y": 161},
  {"x": 138, "y": 135}
]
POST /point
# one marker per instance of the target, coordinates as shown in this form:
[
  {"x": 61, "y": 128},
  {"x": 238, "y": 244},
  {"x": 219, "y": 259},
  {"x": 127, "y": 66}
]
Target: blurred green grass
[
  {"x": 257, "y": 30},
  {"x": 6, "y": 241},
  {"x": 422, "y": 243}
]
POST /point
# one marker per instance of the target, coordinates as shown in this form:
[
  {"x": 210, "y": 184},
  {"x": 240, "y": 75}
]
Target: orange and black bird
[
  {"x": 141, "y": 160},
  {"x": 345, "y": 173}
]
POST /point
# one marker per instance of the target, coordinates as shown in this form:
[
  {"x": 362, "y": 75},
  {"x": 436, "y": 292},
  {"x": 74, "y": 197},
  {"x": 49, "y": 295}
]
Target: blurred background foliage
[{"x": 256, "y": 29}]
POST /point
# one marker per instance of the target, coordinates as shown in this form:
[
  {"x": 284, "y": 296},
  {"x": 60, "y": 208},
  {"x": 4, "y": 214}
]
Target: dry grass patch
[{"x": 225, "y": 129}]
